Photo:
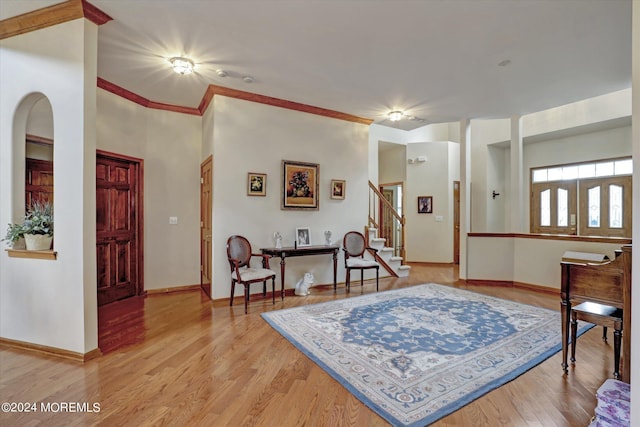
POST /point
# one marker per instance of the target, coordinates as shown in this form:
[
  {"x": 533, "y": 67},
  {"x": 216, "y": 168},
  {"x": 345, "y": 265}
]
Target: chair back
[
  {"x": 354, "y": 244},
  {"x": 239, "y": 248}
]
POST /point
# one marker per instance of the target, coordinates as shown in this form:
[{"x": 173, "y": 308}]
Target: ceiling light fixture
[
  {"x": 394, "y": 116},
  {"x": 182, "y": 65},
  {"x": 221, "y": 73},
  {"x": 248, "y": 79}
]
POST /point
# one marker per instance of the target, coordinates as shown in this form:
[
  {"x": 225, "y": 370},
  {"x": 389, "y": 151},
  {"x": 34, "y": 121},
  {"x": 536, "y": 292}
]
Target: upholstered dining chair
[
  {"x": 239, "y": 255},
  {"x": 354, "y": 247}
]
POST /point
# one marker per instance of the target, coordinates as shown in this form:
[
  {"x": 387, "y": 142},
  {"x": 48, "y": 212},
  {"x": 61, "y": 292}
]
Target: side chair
[
  {"x": 239, "y": 255},
  {"x": 354, "y": 247}
]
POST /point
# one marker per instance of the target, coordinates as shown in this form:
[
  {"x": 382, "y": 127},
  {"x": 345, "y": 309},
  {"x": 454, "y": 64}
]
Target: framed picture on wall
[
  {"x": 300, "y": 185},
  {"x": 338, "y": 189},
  {"x": 425, "y": 204},
  {"x": 256, "y": 184}
]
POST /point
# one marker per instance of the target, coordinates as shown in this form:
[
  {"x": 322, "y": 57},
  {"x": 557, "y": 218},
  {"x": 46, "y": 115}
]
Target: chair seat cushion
[
  {"x": 251, "y": 274},
  {"x": 361, "y": 263}
]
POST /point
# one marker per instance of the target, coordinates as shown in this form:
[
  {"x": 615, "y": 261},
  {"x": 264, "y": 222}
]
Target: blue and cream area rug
[{"x": 417, "y": 354}]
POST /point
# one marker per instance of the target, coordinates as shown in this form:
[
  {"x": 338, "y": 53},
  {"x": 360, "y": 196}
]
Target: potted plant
[{"x": 37, "y": 228}]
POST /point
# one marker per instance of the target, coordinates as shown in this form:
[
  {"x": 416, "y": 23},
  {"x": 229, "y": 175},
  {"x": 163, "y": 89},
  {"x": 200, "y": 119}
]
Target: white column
[
  {"x": 517, "y": 177},
  {"x": 465, "y": 192}
]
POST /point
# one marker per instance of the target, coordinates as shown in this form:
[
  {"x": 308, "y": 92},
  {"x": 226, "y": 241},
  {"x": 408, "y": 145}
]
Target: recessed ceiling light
[
  {"x": 247, "y": 79},
  {"x": 182, "y": 65},
  {"x": 221, "y": 73}
]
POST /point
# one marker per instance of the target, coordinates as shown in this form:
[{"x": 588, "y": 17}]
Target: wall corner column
[
  {"x": 465, "y": 193},
  {"x": 517, "y": 177}
]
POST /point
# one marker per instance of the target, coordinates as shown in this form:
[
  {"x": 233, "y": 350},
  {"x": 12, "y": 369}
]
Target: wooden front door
[
  {"x": 118, "y": 227},
  {"x": 206, "y": 178}
]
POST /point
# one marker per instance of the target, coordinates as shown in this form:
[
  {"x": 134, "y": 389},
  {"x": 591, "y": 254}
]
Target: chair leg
[
  {"x": 264, "y": 288},
  {"x": 617, "y": 339},
  {"x": 348, "y": 279},
  {"x": 233, "y": 288},
  {"x": 377, "y": 275},
  {"x": 574, "y": 330},
  {"x": 604, "y": 333},
  {"x": 361, "y": 277},
  {"x": 246, "y": 298}
]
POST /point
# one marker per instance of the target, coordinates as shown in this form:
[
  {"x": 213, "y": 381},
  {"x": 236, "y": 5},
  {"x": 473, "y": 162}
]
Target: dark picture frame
[
  {"x": 425, "y": 204},
  {"x": 256, "y": 184},
  {"x": 338, "y": 189},
  {"x": 300, "y": 190}
]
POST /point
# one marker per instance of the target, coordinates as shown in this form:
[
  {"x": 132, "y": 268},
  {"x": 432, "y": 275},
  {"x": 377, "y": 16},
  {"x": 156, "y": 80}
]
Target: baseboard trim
[
  {"x": 186, "y": 288},
  {"x": 50, "y": 351},
  {"x": 512, "y": 284}
]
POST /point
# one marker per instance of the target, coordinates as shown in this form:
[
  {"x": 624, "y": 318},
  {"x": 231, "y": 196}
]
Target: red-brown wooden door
[
  {"x": 118, "y": 236},
  {"x": 38, "y": 181}
]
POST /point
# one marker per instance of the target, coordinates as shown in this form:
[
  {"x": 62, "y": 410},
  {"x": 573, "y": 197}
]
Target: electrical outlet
[{"x": 173, "y": 220}]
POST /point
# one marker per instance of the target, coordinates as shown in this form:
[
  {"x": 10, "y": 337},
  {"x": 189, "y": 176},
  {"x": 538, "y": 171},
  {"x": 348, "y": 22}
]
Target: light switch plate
[
  {"x": 173, "y": 220},
  {"x": 439, "y": 218}
]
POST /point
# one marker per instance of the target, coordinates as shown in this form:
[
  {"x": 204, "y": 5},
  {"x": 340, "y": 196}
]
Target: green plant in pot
[{"x": 37, "y": 227}]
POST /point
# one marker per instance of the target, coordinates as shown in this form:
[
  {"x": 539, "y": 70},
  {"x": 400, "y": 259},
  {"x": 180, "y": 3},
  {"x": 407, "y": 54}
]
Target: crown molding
[
  {"x": 213, "y": 90},
  {"x": 52, "y": 15},
  {"x": 140, "y": 100}
]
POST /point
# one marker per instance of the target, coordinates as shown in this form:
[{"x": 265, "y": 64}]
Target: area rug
[{"x": 417, "y": 354}]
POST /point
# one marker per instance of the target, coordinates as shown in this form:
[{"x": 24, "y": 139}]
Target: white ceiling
[{"x": 434, "y": 59}]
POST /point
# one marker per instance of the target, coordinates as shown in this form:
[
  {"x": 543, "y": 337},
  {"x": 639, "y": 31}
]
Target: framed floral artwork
[
  {"x": 256, "y": 184},
  {"x": 300, "y": 185},
  {"x": 338, "y": 188}
]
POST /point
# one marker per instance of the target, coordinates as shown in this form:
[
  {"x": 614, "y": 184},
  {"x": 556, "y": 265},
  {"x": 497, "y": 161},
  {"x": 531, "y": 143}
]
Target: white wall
[
  {"x": 51, "y": 303},
  {"x": 392, "y": 164},
  {"x": 635, "y": 336},
  {"x": 170, "y": 145},
  {"x": 525, "y": 260},
  {"x": 429, "y": 240},
  {"x": 252, "y": 137}
]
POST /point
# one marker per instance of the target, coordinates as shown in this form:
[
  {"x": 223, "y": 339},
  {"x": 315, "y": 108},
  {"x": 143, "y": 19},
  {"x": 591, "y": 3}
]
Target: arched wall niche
[{"x": 32, "y": 144}]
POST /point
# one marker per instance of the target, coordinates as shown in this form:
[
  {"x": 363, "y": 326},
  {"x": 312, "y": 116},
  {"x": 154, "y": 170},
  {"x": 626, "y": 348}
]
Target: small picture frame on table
[{"x": 303, "y": 237}]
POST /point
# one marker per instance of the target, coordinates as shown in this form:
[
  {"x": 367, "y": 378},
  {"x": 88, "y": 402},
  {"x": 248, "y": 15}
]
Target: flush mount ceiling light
[
  {"x": 394, "y": 116},
  {"x": 182, "y": 65}
]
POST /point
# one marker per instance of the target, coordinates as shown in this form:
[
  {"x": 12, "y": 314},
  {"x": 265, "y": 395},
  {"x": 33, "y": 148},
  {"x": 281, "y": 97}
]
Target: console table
[{"x": 283, "y": 253}]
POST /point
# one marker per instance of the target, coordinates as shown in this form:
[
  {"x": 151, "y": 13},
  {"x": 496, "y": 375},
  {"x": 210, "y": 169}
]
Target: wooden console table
[{"x": 283, "y": 253}]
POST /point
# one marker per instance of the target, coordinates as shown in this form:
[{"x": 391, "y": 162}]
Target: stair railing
[{"x": 389, "y": 223}]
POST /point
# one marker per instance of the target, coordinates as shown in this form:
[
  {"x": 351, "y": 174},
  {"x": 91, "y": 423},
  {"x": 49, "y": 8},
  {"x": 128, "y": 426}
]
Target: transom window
[{"x": 590, "y": 199}]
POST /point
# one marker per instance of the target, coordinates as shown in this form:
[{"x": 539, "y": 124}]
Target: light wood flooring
[{"x": 177, "y": 359}]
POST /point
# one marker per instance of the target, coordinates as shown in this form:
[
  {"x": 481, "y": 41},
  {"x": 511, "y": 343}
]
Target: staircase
[
  {"x": 390, "y": 244},
  {"x": 385, "y": 256}
]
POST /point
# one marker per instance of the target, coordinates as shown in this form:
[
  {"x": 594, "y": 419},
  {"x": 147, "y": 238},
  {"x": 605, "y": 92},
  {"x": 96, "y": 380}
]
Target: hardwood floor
[{"x": 178, "y": 359}]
